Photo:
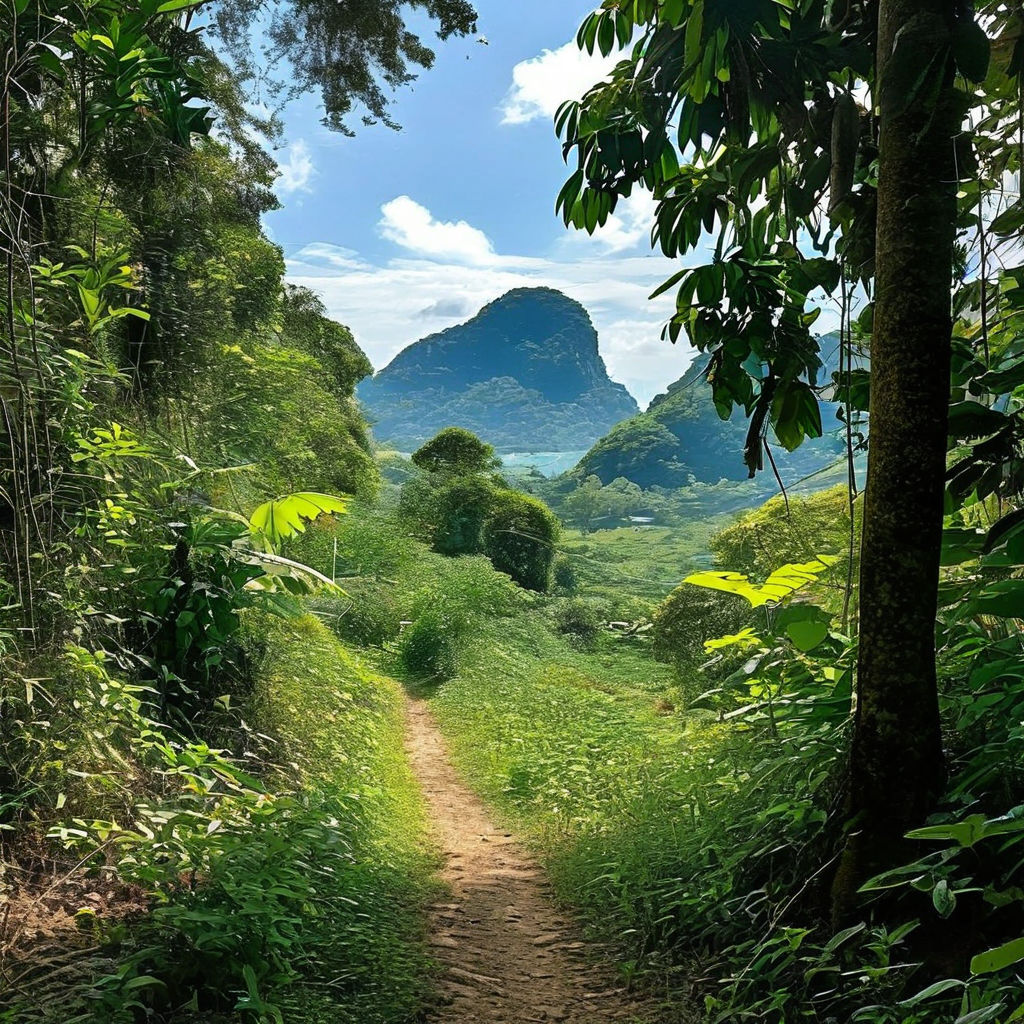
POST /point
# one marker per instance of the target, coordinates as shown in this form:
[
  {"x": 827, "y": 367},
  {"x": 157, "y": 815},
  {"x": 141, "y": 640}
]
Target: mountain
[
  {"x": 680, "y": 439},
  {"x": 524, "y": 373}
]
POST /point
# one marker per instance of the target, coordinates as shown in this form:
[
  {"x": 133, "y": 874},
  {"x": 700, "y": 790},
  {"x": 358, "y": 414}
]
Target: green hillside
[{"x": 680, "y": 439}]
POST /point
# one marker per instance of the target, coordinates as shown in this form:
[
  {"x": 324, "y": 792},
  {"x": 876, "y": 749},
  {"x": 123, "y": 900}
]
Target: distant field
[{"x": 648, "y": 562}]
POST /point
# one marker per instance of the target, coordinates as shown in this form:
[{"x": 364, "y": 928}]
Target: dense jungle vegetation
[{"x": 773, "y": 759}]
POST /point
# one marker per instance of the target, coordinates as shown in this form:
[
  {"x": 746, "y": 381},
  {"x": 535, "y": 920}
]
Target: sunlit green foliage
[
  {"x": 784, "y": 530},
  {"x": 519, "y": 538},
  {"x": 455, "y": 451}
]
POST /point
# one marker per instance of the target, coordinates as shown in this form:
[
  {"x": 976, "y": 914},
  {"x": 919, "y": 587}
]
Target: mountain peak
[{"x": 524, "y": 372}]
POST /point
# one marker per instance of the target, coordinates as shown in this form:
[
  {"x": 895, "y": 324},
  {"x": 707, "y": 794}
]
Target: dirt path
[{"x": 508, "y": 955}]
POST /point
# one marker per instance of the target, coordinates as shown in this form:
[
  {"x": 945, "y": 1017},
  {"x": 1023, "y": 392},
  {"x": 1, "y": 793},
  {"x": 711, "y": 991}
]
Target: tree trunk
[{"x": 896, "y": 769}]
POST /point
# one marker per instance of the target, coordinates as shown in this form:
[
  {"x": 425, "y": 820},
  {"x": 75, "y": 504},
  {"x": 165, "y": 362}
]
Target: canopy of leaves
[
  {"x": 306, "y": 326},
  {"x": 350, "y": 51},
  {"x": 520, "y": 537},
  {"x": 456, "y": 451}
]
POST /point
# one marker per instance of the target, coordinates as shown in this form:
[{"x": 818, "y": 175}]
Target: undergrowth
[{"x": 287, "y": 885}]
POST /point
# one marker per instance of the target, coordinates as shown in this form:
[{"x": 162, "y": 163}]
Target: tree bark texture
[{"x": 896, "y": 767}]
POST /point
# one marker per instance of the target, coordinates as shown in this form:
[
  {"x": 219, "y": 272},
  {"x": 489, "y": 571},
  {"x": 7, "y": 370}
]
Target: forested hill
[
  {"x": 524, "y": 373},
  {"x": 681, "y": 435}
]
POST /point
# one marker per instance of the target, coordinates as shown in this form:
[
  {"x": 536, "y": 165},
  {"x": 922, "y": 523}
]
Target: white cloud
[
  {"x": 636, "y": 355},
  {"x": 412, "y": 226},
  {"x": 298, "y": 170},
  {"x": 391, "y": 305},
  {"x": 335, "y": 256},
  {"x": 541, "y": 84}
]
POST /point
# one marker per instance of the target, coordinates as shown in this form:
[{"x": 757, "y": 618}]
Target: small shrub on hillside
[
  {"x": 520, "y": 537},
  {"x": 578, "y": 621},
  {"x": 457, "y": 451},
  {"x": 473, "y": 585},
  {"x": 278, "y": 409},
  {"x": 684, "y": 620},
  {"x": 563, "y": 575},
  {"x": 367, "y": 615},
  {"x": 416, "y": 507},
  {"x": 394, "y": 467},
  {"x": 431, "y": 646},
  {"x": 460, "y": 509}
]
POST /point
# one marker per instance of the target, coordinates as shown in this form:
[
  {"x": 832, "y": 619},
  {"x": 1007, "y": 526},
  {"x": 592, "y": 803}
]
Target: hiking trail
[{"x": 508, "y": 956}]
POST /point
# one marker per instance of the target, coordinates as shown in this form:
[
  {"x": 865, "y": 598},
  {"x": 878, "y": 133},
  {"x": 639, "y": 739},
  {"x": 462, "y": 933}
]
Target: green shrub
[
  {"x": 685, "y": 620},
  {"x": 563, "y": 575},
  {"x": 777, "y": 533},
  {"x": 519, "y": 538},
  {"x": 274, "y": 407},
  {"x": 471, "y": 584},
  {"x": 579, "y": 621},
  {"x": 369, "y": 543},
  {"x": 456, "y": 451},
  {"x": 431, "y": 645},
  {"x": 314, "y": 868},
  {"x": 367, "y": 615},
  {"x": 459, "y": 511}
]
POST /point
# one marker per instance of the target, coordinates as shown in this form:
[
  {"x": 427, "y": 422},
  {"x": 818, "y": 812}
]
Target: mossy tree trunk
[{"x": 896, "y": 768}]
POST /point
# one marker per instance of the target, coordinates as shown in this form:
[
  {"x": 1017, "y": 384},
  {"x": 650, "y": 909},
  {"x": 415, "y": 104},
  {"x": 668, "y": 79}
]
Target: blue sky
[{"x": 405, "y": 233}]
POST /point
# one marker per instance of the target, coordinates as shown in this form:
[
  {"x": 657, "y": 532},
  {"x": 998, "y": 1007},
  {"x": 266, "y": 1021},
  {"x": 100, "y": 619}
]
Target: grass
[
  {"x": 658, "y": 827},
  {"x": 340, "y": 725},
  {"x": 587, "y": 756},
  {"x": 649, "y": 820},
  {"x": 645, "y": 562}
]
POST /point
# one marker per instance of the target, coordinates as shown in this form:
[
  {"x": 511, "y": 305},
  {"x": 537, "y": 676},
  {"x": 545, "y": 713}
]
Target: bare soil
[{"x": 508, "y": 955}]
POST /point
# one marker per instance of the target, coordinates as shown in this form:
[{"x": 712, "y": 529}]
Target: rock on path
[{"x": 507, "y": 955}]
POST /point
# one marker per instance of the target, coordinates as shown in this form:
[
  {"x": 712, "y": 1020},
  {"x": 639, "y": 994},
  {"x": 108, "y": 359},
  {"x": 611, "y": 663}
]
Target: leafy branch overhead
[
  {"x": 753, "y": 126},
  {"x": 348, "y": 51}
]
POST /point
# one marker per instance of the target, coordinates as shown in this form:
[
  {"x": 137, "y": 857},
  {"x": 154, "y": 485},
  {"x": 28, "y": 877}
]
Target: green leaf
[
  {"x": 935, "y": 989},
  {"x": 943, "y": 898},
  {"x": 671, "y": 12},
  {"x": 996, "y": 959},
  {"x": 966, "y": 832},
  {"x": 1003, "y": 529},
  {"x": 282, "y": 518},
  {"x": 694, "y": 33},
  {"x": 971, "y": 419},
  {"x": 1009, "y": 221},
  {"x": 780, "y": 584},
  {"x": 795, "y": 414},
  {"x": 960, "y": 545},
  {"x": 744, "y": 638},
  {"x": 806, "y": 635},
  {"x": 1004, "y": 599}
]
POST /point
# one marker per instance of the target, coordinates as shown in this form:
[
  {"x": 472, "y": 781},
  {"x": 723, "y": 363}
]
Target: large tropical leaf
[
  {"x": 276, "y": 521},
  {"x": 780, "y": 584}
]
